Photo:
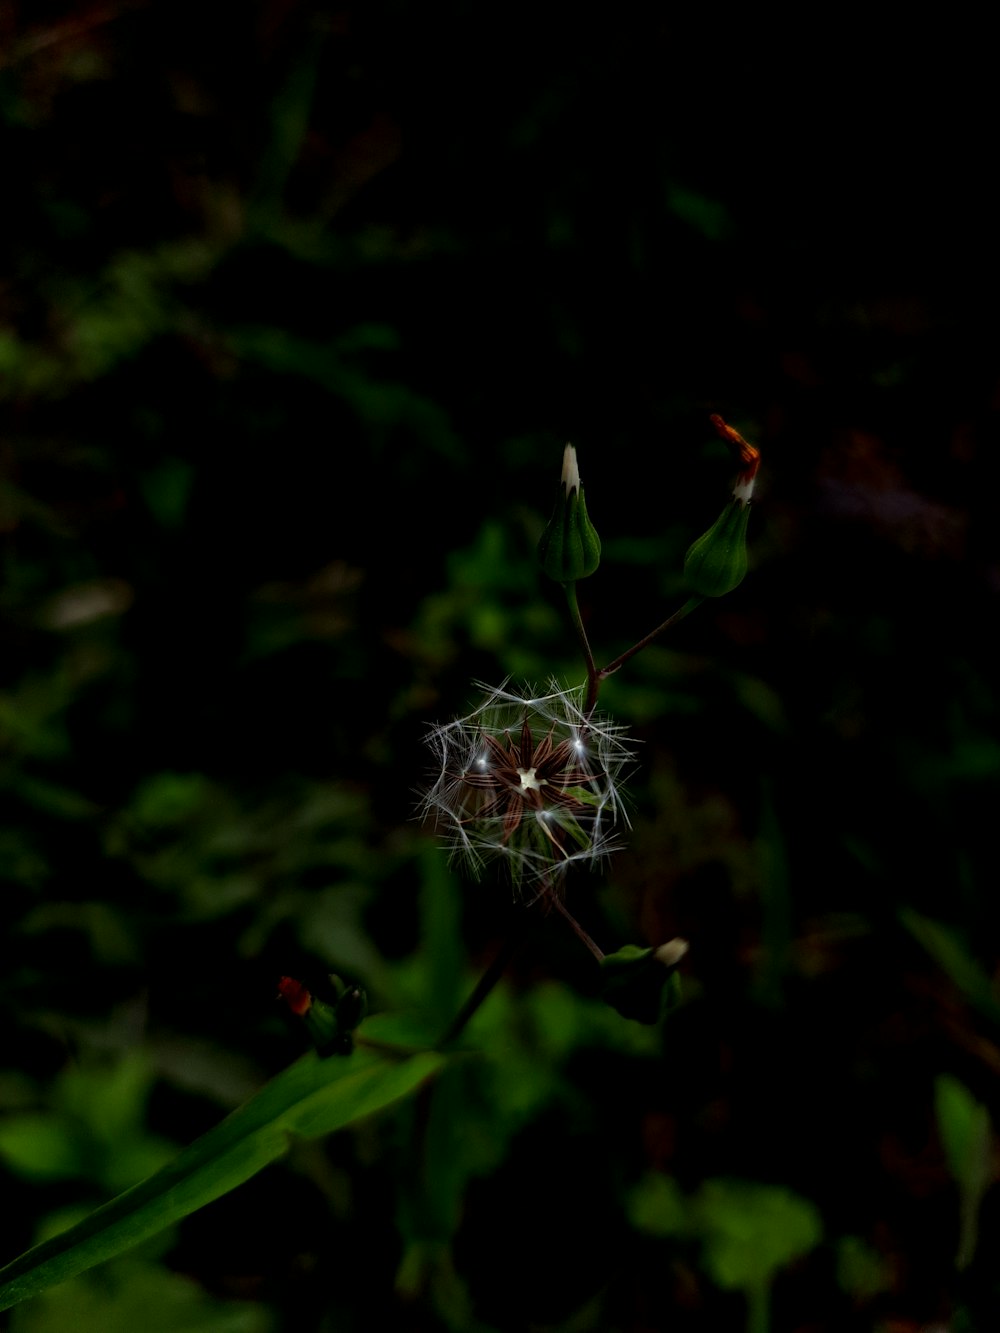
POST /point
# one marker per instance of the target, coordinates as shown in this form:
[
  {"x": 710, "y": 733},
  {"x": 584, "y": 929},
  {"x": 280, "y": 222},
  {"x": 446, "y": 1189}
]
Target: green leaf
[
  {"x": 964, "y": 1126},
  {"x": 751, "y": 1231},
  {"x": 311, "y": 1098},
  {"x": 947, "y": 950}
]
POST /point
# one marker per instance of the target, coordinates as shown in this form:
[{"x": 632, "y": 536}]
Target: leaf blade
[{"x": 310, "y": 1098}]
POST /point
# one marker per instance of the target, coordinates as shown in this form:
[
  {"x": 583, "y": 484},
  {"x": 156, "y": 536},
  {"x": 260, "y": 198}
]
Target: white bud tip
[
  {"x": 672, "y": 952},
  {"x": 743, "y": 489},
  {"x": 570, "y": 472}
]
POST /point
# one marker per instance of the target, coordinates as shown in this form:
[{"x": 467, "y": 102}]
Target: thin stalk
[
  {"x": 487, "y": 981},
  {"x": 577, "y": 929},
  {"x": 581, "y": 634},
  {"x": 595, "y": 676},
  {"x": 619, "y": 662},
  {"x": 759, "y": 1303}
]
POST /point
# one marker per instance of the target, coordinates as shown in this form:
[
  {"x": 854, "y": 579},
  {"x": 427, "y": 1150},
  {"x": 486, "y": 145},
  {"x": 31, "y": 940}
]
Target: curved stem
[{"x": 619, "y": 662}]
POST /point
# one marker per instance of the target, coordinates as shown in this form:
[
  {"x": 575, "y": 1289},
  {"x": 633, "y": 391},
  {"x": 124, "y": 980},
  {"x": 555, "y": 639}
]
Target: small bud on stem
[
  {"x": 569, "y": 548},
  {"x": 717, "y": 562},
  {"x": 330, "y": 1026},
  {"x": 643, "y": 984}
]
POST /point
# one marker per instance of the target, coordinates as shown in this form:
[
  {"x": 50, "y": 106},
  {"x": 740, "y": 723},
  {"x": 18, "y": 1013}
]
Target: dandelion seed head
[{"x": 527, "y": 779}]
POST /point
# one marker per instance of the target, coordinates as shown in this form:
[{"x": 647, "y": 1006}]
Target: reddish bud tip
[
  {"x": 749, "y": 455},
  {"x": 295, "y": 996}
]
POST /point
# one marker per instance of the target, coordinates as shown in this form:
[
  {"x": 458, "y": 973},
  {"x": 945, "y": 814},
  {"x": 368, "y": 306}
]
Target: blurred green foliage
[
  {"x": 749, "y": 1231},
  {"x": 299, "y": 309},
  {"x": 95, "y": 1129},
  {"x": 138, "y": 1293}
]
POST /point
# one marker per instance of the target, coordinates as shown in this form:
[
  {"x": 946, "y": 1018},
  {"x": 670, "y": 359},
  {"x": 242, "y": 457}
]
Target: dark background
[{"x": 299, "y": 304}]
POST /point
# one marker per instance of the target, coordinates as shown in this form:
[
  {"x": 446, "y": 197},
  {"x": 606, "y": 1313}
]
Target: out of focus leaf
[
  {"x": 751, "y": 1231},
  {"x": 948, "y": 952},
  {"x": 138, "y": 1294},
  {"x": 964, "y": 1126}
]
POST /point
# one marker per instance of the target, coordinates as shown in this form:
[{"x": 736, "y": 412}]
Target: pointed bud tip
[
  {"x": 671, "y": 953},
  {"x": 569, "y": 548},
  {"x": 743, "y": 490},
  {"x": 570, "y": 470}
]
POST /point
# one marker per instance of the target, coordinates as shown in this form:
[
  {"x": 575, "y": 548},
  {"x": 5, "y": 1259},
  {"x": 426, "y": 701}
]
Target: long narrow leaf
[
  {"x": 311, "y": 1098},
  {"x": 952, "y": 956}
]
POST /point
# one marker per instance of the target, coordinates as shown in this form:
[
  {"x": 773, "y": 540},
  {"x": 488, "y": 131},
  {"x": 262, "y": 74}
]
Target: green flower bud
[
  {"x": 570, "y": 548},
  {"x": 643, "y": 984},
  {"x": 330, "y": 1026},
  {"x": 351, "y": 1006},
  {"x": 716, "y": 563}
]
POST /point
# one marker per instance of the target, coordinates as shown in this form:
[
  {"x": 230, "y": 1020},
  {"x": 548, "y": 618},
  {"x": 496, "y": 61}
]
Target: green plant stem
[
  {"x": 595, "y": 677},
  {"x": 488, "y": 980},
  {"x": 574, "y": 614},
  {"x": 619, "y": 662},
  {"x": 759, "y": 1306}
]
